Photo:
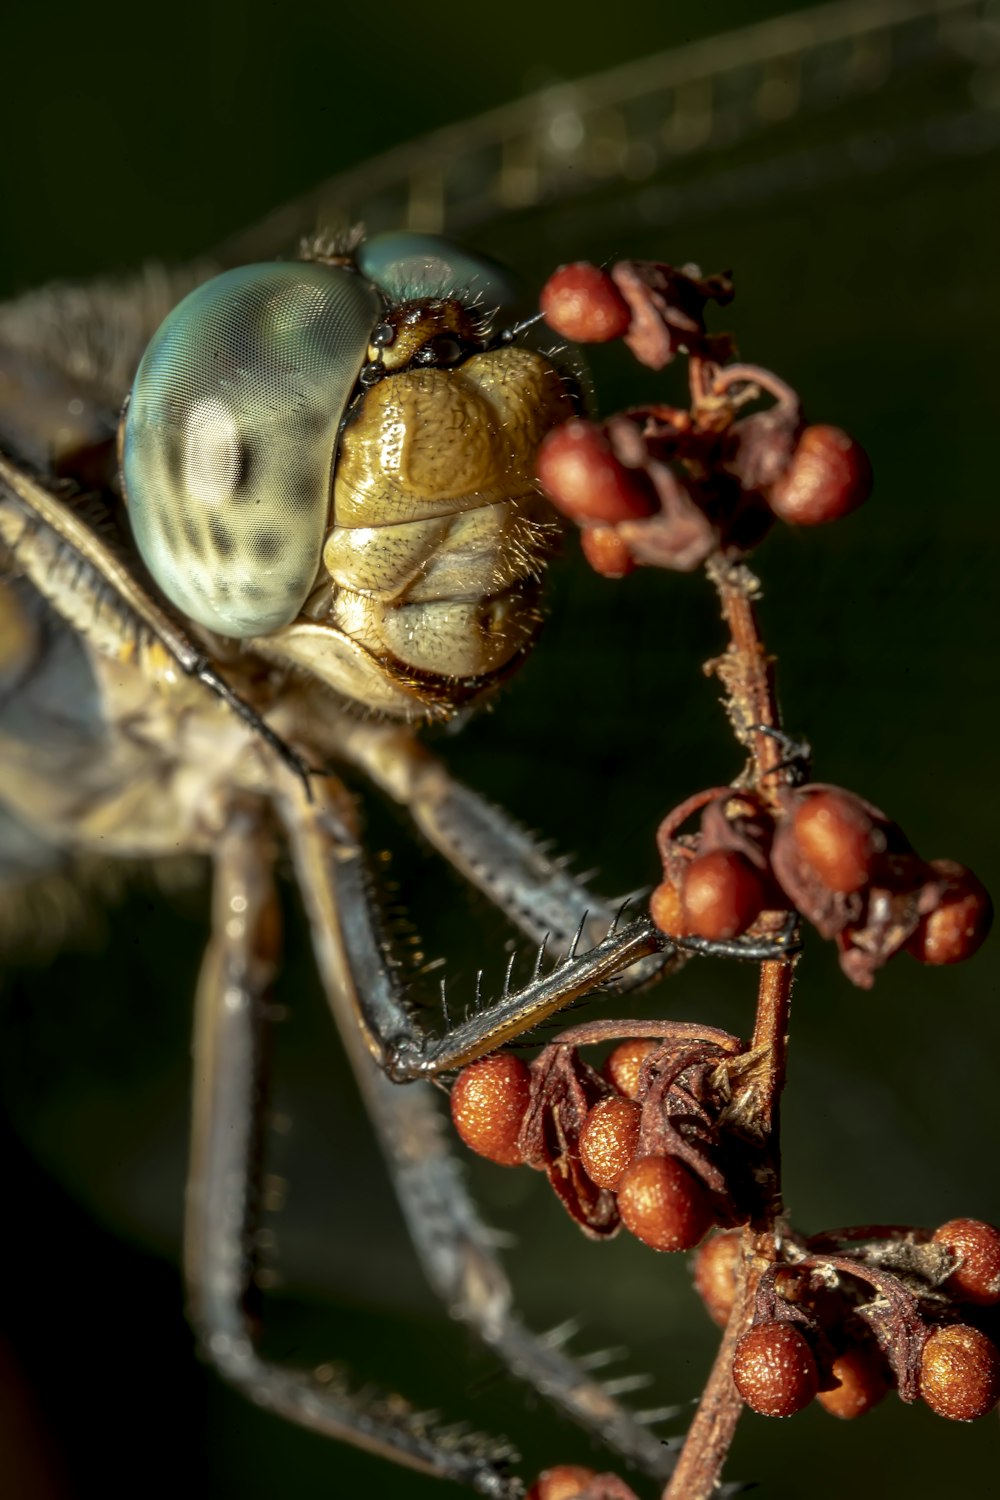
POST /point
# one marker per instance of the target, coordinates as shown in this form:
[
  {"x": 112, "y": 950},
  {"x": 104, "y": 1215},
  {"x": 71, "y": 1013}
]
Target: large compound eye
[
  {"x": 409, "y": 267},
  {"x": 231, "y": 434}
]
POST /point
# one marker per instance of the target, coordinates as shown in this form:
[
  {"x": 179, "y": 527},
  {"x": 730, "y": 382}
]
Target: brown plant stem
[{"x": 745, "y": 671}]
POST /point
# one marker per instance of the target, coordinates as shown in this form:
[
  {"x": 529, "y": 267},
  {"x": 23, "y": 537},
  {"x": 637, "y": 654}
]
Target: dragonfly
[{"x": 531, "y": 155}]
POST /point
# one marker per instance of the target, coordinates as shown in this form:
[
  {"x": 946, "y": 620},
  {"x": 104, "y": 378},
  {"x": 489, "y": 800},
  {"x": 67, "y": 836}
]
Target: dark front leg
[
  {"x": 457, "y": 1250},
  {"x": 230, "y": 1078}
]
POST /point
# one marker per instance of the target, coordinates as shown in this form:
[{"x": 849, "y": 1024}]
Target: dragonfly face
[{"x": 343, "y": 480}]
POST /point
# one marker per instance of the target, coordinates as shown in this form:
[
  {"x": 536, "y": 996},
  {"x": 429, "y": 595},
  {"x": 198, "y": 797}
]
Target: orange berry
[
  {"x": 715, "y": 1269},
  {"x": 608, "y": 1140},
  {"x": 960, "y": 925},
  {"x": 836, "y": 837},
  {"x": 960, "y": 1373},
  {"x": 977, "y": 1275},
  {"x": 563, "y": 1482},
  {"x": 488, "y": 1103},
  {"x": 829, "y": 476},
  {"x": 606, "y": 552},
  {"x": 863, "y": 1378},
  {"x": 722, "y": 894},
  {"x": 581, "y": 475},
  {"x": 774, "y": 1370},
  {"x": 667, "y": 909},
  {"x": 621, "y": 1067},
  {"x": 581, "y": 302},
  {"x": 663, "y": 1205}
]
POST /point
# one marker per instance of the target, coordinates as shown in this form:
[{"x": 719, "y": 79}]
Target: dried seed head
[
  {"x": 715, "y": 1270},
  {"x": 960, "y": 1373},
  {"x": 581, "y": 475},
  {"x": 774, "y": 1370},
  {"x": 563, "y": 1482},
  {"x": 621, "y": 1067},
  {"x": 828, "y": 477},
  {"x": 977, "y": 1276},
  {"x": 667, "y": 910},
  {"x": 960, "y": 925},
  {"x": 864, "y": 1380},
  {"x": 663, "y": 1205},
  {"x": 836, "y": 837},
  {"x": 722, "y": 894},
  {"x": 608, "y": 1140},
  {"x": 581, "y": 302},
  {"x": 488, "y": 1103},
  {"x": 606, "y": 552}
]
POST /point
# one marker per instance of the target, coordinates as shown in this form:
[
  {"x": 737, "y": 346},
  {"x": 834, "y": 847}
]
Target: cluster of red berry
[
  {"x": 670, "y": 487},
  {"x": 637, "y": 1144},
  {"x": 895, "y": 1307},
  {"x": 829, "y": 855}
]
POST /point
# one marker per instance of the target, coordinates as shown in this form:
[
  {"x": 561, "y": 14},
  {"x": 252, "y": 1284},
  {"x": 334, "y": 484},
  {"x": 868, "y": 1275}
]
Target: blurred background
[{"x": 844, "y": 165}]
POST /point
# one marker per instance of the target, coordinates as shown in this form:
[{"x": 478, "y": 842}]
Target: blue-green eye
[
  {"x": 231, "y": 434},
  {"x": 408, "y": 267}
]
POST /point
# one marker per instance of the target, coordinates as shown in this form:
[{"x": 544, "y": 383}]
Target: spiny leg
[
  {"x": 334, "y": 872},
  {"x": 230, "y": 1073},
  {"x": 455, "y": 1247}
]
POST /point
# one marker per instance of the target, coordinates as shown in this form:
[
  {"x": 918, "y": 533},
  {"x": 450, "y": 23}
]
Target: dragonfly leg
[
  {"x": 456, "y": 1249},
  {"x": 334, "y": 877},
  {"x": 534, "y": 889},
  {"x": 230, "y": 1076}
]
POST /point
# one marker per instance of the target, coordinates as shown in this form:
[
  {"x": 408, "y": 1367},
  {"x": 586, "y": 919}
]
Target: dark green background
[{"x": 130, "y": 136}]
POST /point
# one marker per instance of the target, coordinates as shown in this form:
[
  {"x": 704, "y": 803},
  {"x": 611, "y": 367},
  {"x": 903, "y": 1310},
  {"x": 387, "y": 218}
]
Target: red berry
[
  {"x": 621, "y": 1067},
  {"x": 581, "y": 302},
  {"x": 959, "y": 926},
  {"x": 828, "y": 477},
  {"x": 836, "y": 837},
  {"x": 667, "y": 910},
  {"x": 722, "y": 894},
  {"x": 608, "y": 1140},
  {"x": 715, "y": 1267},
  {"x": 606, "y": 552},
  {"x": 581, "y": 475},
  {"x": 562, "y": 1482},
  {"x": 488, "y": 1103},
  {"x": 960, "y": 1373},
  {"x": 774, "y": 1370},
  {"x": 977, "y": 1275},
  {"x": 863, "y": 1381},
  {"x": 663, "y": 1205}
]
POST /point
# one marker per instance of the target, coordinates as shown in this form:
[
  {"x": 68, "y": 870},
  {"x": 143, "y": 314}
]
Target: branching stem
[{"x": 745, "y": 671}]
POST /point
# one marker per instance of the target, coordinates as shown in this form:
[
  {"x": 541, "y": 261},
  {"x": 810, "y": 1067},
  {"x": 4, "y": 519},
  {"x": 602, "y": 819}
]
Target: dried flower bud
[
  {"x": 960, "y": 1373},
  {"x": 836, "y": 837},
  {"x": 581, "y": 302},
  {"x": 663, "y": 1205},
  {"x": 722, "y": 894},
  {"x": 606, "y": 552},
  {"x": 715, "y": 1269},
  {"x": 774, "y": 1370},
  {"x": 828, "y": 477},
  {"x": 608, "y": 1140},
  {"x": 581, "y": 475},
  {"x": 488, "y": 1103},
  {"x": 863, "y": 1381},
  {"x": 977, "y": 1275},
  {"x": 621, "y": 1067},
  {"x": 960, "y": 924},
  {"x": 562, "y": 1482}
]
